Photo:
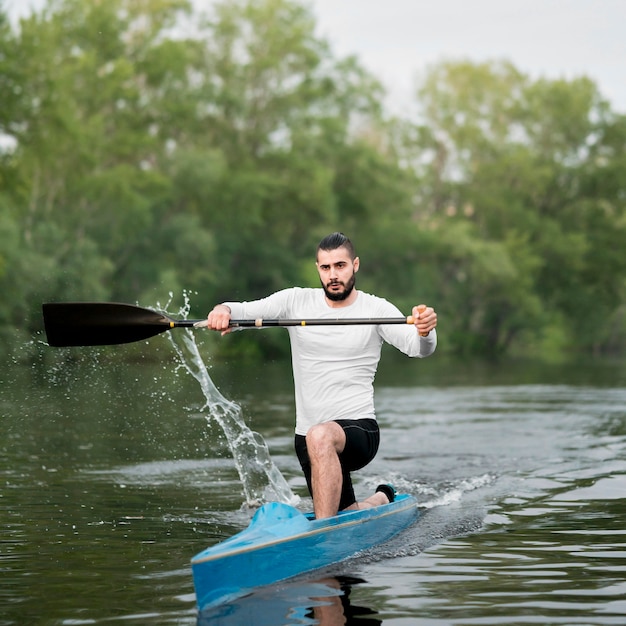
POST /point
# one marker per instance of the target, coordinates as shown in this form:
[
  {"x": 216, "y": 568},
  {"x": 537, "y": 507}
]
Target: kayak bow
[{"x": 282, "y": 542}]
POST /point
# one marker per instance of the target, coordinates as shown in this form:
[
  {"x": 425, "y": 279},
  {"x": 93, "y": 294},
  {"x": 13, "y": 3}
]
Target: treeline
[{"x": 146, "y": 149}]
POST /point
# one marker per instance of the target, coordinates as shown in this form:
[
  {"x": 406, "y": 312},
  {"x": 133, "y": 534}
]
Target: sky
[{"x": 398, "y": 39}]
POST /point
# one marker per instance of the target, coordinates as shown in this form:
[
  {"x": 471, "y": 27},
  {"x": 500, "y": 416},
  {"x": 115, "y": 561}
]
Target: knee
[{"x": 324, "y": 438}]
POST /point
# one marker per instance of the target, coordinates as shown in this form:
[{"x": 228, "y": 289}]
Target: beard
[{"x": 338, "y": 296}]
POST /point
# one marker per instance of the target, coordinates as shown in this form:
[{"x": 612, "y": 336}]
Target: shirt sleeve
[
  {"x": 406, "y": 338},
  {"x": 273, "y": 306}
]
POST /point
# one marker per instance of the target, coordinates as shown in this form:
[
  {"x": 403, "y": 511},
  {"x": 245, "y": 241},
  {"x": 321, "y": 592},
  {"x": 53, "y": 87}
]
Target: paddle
[{"x": 109, "y": 323}]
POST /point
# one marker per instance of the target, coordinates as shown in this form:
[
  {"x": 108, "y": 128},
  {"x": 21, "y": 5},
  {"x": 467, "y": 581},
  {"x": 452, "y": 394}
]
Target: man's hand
[
  {"x": 218, "y": 319},
  {"x": 424, "y": 318}
]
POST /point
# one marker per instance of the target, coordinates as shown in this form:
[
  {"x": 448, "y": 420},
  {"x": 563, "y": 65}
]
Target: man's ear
[{"x": 356, "y": 263}]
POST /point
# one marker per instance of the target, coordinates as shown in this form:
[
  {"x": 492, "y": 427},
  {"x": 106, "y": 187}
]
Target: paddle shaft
[{"x": 259, "y": 323}]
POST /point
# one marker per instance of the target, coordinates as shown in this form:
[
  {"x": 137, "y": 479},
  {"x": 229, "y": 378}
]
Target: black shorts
[{"x": 362, "y": 440}]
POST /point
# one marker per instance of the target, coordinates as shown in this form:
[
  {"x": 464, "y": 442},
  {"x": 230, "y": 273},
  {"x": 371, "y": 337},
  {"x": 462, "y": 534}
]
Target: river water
[{"x": 113, "y": 475}]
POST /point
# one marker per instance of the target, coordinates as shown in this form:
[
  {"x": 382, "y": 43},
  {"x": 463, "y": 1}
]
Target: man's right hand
[{"x": 218, "y": 319}]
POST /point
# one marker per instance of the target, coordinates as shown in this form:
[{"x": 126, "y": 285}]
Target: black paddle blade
[{"x": 100, "y": 323}]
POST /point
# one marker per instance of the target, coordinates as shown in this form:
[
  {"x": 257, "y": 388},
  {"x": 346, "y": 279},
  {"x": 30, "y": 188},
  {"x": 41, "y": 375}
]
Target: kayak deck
[{"x": 282, "y": 542}]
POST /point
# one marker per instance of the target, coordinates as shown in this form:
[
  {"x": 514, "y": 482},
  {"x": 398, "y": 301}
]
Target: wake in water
[{"x": 261, "y": 480}]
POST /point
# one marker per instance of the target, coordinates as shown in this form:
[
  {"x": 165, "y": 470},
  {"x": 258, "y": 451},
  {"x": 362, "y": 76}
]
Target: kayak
[{"x": 282, "y": 542}]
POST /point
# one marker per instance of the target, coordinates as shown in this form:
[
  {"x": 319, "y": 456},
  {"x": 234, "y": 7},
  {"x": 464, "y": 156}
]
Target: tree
[{"x": 512, "y": 158}]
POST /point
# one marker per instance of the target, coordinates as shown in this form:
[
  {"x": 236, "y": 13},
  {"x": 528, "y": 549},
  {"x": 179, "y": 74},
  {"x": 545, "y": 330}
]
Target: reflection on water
[{"x": 325, "y": 601}]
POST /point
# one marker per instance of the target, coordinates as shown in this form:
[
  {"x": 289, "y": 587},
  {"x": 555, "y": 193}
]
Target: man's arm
[
  {"x": 275, "y": 305},
  {"x": 419, "y": 341}
]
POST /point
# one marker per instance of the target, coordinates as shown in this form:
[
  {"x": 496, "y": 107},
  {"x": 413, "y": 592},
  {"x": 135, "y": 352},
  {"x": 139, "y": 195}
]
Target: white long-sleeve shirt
[{"x": 334, "y": 366}]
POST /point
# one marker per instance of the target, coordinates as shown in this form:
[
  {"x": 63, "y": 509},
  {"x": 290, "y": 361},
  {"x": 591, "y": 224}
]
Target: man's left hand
[{"x": 424, "y": 318}]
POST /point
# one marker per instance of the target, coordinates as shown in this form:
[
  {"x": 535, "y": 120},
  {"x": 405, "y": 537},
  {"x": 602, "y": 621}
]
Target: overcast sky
[{"x": 397, "y": 39}]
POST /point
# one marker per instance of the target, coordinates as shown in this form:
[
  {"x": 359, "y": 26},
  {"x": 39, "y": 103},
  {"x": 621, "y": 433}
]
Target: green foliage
[
  {"x": 519, "y": 161},
  {"x": 148, "y": 150}
]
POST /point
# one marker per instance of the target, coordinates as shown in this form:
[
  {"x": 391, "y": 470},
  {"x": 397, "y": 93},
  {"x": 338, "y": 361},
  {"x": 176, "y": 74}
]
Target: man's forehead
[{"x": 329, "y": 257}]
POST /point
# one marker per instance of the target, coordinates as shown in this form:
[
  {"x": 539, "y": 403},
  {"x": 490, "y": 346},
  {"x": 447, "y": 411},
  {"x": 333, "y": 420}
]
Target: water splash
[
  {"x": 454, "y": 492},
  {"x": 261, "y": 480}
]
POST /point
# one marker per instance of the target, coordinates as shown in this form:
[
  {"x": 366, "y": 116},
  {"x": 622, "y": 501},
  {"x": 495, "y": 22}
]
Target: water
[{"x": 112, "y": 478}]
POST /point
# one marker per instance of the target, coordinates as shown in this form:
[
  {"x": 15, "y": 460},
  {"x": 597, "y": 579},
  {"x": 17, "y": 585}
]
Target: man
[{"x": 334, "y": 369}]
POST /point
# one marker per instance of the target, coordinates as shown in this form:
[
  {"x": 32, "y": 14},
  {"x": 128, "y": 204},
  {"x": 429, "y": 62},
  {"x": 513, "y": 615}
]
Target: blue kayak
[{"x": 282, "y": 542}]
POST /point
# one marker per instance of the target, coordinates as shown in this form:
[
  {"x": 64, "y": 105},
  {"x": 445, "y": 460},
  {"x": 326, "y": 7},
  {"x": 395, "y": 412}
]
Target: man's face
[{"x": 337, "y": 273}]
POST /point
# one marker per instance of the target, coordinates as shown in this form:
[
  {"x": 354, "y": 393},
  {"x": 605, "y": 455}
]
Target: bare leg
[
  {"x": 324, "y": 443},
  {"x": 375, "y": 500}
]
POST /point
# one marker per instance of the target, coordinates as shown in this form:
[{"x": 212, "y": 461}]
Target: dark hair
[{"x": 337, "y": 240}]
